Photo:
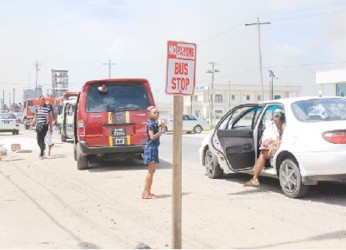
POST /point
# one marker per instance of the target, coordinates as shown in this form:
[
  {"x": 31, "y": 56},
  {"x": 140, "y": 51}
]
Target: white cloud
[{"x": 82, "y": 35}]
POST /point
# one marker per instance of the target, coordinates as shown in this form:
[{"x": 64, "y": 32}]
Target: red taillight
[
  {"x": 335, "y": 136},
  {"x": 81, "y": 127}
]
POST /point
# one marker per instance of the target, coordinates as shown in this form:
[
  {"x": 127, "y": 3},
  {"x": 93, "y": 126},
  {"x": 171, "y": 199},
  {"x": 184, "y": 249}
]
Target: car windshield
[
  {"x": 118, "y": 97},
  {"x": 7, "y": 116},
  {"x": 326, "y": 109}
]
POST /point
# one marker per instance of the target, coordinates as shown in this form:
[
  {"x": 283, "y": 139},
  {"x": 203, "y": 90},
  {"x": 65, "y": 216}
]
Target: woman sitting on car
[{"x": 271, "y": 140}]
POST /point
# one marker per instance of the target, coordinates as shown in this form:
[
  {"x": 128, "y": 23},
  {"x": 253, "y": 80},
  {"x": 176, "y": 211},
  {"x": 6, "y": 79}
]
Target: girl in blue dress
[{"x": 151, "y": 149}]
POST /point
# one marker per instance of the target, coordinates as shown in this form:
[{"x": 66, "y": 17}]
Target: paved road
[{"x": 50, "y": 204}]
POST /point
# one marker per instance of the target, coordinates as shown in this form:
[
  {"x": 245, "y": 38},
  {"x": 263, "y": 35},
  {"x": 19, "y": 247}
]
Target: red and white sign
[{"x": 181, "y": 68}]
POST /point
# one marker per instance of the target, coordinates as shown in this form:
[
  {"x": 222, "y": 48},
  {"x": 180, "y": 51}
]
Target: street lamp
[
  {"x": 212, "y": 71},
  {"x": 272, "y": 76}
]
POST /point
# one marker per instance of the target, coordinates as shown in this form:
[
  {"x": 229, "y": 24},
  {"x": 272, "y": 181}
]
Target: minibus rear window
[{"x": 118, "y": 97}]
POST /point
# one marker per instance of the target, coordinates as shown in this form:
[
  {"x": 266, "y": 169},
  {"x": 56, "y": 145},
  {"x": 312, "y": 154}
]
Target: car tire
[
  {"x": 291, "y": 179},
  {"x": 212, "y": 166},
  {"x": 164, "y": 129},
  {"x": 82, "y": 161},
  {"x": 74, "y": 150},
  {"x": 63, "y": 137},
  {"x": 197, "y": 129}
]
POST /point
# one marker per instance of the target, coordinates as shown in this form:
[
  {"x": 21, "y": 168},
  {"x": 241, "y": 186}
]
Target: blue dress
[{"x": 151, "y": 149}]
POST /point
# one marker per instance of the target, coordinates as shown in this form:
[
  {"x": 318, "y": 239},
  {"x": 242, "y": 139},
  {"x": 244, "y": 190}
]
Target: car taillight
[
  {"x": 335, "y": 136},
  {"x": 81, "y": 127}
]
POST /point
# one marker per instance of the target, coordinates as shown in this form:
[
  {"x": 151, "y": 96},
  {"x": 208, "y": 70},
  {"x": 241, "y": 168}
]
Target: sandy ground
[{"x": 50, "y": 204}]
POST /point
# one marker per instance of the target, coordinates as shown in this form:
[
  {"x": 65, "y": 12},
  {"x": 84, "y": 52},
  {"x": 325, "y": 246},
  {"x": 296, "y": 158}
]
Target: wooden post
[{"x": 178, "y": 103}]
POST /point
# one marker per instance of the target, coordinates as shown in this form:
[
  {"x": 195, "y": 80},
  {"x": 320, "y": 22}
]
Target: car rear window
[
  {"x": 7, "y": 116},
  {"x": 327, "y": 109},
  {"x": 118, "y": 97}
]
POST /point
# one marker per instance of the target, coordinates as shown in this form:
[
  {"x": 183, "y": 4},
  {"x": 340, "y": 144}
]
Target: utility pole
[
  {"x": 37, "y": 68},
  {"x": 109, "y": 67},
  {"x": 212, "y": 71},
  {"x": 259, "y": 51}
]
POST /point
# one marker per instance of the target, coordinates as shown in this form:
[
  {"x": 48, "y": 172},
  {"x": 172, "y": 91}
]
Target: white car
[
  {"x": 313, "y": 144},
  {"x": 9, "y": 123},
  {"x": 190, "y": 124}
]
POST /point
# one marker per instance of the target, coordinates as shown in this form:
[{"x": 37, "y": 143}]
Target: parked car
[
  {"x": 110, "y": 120},
  {"x": 313, "y": 147},
  {"x": 9, "y": 123},
  {"x": 20, "y": 117},
  {"x": 190, "y": 124}
]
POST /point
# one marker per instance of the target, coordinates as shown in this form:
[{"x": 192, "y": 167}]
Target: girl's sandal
[
  {"x": 149, "y": 196},
  {"x": 154, "y": 196}
]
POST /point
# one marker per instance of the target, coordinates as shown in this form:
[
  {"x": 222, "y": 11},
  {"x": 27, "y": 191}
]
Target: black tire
[
  {"x": 74, "y": 150},
  {"x": 63, "y": 137},
  {"x": 164, "y": 129},
  {"x": 197, "y": 129},
  {"x": 291, "y": 179},
  {"x": 82, "y": 161},
  {"x": 212, "y": 166}
]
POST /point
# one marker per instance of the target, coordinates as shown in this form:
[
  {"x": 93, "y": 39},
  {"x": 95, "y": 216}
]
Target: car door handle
[{"x": 247, "y": 147}]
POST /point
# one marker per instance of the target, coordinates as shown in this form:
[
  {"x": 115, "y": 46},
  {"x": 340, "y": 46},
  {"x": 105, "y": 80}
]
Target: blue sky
[{"x": 304, "y": 36}]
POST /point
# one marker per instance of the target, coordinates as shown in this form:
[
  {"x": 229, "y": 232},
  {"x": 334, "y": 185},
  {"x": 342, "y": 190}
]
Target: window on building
[
  {"x": 233, "y": 97},
  {"x": 259, "y": 98},
  {"x": 195, "y": 98},
  {"x": 218, "y": 98},
  {"x": 248, "y": 97},
  {"x": 277, "y": 97}
]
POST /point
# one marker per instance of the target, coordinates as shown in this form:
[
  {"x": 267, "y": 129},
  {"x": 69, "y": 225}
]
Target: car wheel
[
  {"x": 212, "y": 167},
  {"x": 198, "y": 129},
  {"x": 291, "y": 179},
  {"x": 63, "y": 137},
  {"x": 74, "y": 150},
  {"x": 164, "y": 129},
  {"x": 82, "y": 161}
]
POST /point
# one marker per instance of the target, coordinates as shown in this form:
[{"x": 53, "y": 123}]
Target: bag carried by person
[{"x": 40, "y": 127}]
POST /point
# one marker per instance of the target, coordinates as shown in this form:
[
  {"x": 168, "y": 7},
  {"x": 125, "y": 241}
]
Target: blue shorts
[{"x": 151, "y": 154}]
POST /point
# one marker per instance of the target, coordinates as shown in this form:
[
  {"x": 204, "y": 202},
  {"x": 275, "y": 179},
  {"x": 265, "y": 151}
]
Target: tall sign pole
[{"x": 180, "y": 82}]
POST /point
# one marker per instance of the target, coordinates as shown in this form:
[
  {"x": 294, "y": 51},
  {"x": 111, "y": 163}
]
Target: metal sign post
[{"x": 180, "y": 81}]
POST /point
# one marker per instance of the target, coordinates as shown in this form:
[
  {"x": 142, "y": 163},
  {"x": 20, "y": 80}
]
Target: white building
[
  {"x": 227, "y": 96},
  {"x": 332, "y": 82}
]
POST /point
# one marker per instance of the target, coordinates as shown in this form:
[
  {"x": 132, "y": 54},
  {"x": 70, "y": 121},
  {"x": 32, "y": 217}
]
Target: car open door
[{"x": 234, "y": 137}]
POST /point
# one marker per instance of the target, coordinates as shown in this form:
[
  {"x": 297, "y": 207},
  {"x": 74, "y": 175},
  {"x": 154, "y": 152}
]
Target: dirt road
[{"x": 49, "y": 204}]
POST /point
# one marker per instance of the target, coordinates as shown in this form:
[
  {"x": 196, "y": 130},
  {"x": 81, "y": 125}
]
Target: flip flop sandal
[
  {"x": 149, "y": 196},
  {"x": 251, "y": 183}
]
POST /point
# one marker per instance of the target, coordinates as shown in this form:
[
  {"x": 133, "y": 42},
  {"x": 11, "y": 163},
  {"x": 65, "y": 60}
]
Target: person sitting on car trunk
[{"x": 271, "y": 140}]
